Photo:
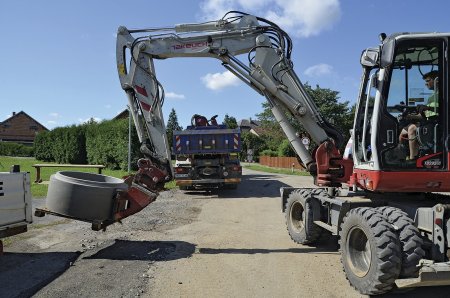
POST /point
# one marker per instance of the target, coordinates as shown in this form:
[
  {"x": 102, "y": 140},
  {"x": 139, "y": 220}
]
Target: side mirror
[{"x": 369, "y": 57}]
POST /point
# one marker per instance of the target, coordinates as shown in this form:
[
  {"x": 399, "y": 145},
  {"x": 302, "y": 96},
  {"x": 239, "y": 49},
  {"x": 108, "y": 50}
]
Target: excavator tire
[
  {"x": 370, "y": 251},
  {"x": 299, "y": 218},
  {"x": 410, "y": 240}
]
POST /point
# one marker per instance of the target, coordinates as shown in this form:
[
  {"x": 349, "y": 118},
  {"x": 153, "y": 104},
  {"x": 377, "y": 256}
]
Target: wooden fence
[{"x": 280, "y": 162}]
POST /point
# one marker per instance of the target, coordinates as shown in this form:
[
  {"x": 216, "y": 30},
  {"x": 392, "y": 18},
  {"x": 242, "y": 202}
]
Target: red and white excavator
[{"x": 385, "y": 205}]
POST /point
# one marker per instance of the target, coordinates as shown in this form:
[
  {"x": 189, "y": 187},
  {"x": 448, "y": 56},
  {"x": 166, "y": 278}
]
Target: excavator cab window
[{"x": 410, "y": 132}]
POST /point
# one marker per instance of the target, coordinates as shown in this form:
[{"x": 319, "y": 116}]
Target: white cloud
[
  {"x": 55, "y": 115},
  {"x": 302, "y": 18},
  {"x": 217, "y": 81},
  {"x": 173, "y": 95},
  {"x": 51, "y": 122},
  {"x": 216, "y": 9},
  {"x": 108, "y": 106},
  {"x": 319, "y": 70}
]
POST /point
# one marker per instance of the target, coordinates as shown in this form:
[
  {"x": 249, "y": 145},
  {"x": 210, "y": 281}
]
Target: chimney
[{"x": 14, "y": 113}]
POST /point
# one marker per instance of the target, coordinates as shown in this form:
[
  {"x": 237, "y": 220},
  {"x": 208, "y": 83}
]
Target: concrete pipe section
[{"x": 84, "y": 196}]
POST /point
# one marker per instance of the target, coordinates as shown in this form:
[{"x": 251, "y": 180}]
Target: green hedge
[
  {"x": 14, "y": 149},
  {"x": 43, "y": 149},
  {"x": 107, "y": 144},
  {"x": 62, "y": 145},
  {"x": 69, "y": 145},
  {"x": 93, "y": 143}
]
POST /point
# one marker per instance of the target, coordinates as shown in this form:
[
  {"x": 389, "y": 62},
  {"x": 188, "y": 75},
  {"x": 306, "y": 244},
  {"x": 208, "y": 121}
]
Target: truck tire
[
  {"x": 370, "y": 251},
  {"x": 410, "y": 240},
  {"x": 299, "y": 218}
]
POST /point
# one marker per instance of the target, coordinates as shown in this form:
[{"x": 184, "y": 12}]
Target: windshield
[{"x": 407, "y": 87}]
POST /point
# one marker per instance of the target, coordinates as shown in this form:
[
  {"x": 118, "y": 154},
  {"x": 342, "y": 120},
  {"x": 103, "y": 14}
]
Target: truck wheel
[
  {"x": 410, "y": 240},
  {"x": 370, "y": 251},
  {"x": 299, "y": 218}
]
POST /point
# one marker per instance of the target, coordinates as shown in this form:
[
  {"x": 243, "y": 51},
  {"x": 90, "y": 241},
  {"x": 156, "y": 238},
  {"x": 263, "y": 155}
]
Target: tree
[
  {"x": 251, "y": 141},
  {"x": 230, "y": 121},
  {"x": 172, "y": 124},
  {"x": 327, "y": 101}
]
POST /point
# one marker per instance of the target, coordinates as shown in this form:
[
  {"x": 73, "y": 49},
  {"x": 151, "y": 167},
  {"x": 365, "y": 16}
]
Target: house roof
[
  {"x": 122, "y": 115},
  {"x": 249, "y": 123},
  {"x": 25, "y": 114}
]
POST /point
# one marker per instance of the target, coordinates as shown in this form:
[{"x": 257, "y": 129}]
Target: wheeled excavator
[{"x": 388, "y": 210}]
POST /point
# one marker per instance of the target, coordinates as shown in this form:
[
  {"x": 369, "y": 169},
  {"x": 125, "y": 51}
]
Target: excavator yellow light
[{"x": 369, "y": 184}]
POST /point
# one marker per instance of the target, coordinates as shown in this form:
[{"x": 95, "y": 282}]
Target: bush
[
  {"x": 268, "y": 152},
  {"x": 14, "y": 149}
]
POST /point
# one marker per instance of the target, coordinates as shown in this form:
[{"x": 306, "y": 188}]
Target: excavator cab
[{"x": 401, "y": 122}]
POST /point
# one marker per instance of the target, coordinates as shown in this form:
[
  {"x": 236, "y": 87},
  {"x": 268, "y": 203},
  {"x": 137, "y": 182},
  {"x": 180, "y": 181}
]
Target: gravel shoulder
[{"x": 230, "y": 243}]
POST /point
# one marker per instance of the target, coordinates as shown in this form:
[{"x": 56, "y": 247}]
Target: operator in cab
[{"x": 429, "y": 111}]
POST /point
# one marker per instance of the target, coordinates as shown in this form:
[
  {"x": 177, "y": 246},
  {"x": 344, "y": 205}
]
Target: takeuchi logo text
[{"x": 191, "y": 45}]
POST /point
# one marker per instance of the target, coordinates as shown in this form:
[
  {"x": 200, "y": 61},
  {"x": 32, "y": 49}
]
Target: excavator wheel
[
  {"x": 409, "y": 237},
  {"x": 299, "y": 217},
  {"x": 370, "y": 251}
]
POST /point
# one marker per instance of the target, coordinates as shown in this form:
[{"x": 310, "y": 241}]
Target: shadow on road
[
  {"x": 326, "y": 246},
  {"x": 145, "y": 250},
  {"x": 250, "y": 186},
  {"x": 425, "y": 292},
  {"x": 252, "y": 251},
  {"x": 23, "y": 274}
]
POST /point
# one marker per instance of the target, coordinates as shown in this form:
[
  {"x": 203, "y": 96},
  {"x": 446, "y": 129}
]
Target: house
[
  {"x": 249, "y": 125},
  {"x": 20, "y": 128}
]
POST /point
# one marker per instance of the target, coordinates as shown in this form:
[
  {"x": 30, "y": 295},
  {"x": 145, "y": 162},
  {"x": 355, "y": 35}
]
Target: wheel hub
[
  {"x": 297, "y": 216},
  {"x": 359, "y": 252}
]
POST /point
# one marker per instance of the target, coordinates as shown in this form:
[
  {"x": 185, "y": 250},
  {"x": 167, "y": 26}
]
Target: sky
[{"x": 58, "y": 57}]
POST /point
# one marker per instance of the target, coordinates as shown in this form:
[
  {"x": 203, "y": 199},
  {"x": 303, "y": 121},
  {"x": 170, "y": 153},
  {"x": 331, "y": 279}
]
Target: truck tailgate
[
  {"x": 15, "y": 199},
  {"x": 207, "y": 141}
]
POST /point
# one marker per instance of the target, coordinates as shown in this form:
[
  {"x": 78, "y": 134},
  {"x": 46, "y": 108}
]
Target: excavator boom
[{"x": 269, "y": 72}]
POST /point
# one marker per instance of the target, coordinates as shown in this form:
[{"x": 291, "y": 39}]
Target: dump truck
[{"x": 207, "y": 155}]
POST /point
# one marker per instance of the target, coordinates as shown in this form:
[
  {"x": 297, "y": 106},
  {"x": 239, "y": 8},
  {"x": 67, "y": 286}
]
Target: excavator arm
[{"x": 269, "y": 72}]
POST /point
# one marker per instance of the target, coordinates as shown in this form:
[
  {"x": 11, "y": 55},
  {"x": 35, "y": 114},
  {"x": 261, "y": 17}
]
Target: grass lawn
[
  {"x": 258, "y": 167},
  {"x": 40, "y": 190}
]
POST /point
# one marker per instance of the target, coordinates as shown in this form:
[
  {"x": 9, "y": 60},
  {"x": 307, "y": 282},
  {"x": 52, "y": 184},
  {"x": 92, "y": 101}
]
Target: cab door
[{"x": 364, "y": 129}]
